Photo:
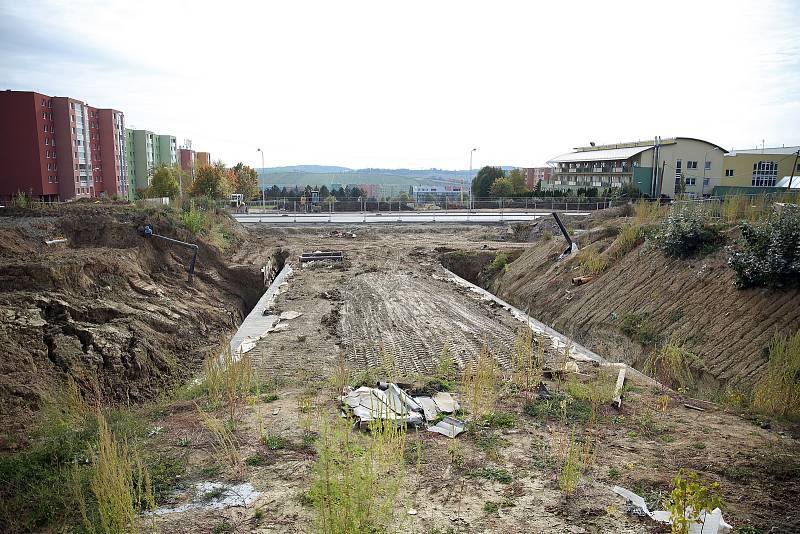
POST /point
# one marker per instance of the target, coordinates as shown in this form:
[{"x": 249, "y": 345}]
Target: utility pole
[{"x": 794, "y": 167}]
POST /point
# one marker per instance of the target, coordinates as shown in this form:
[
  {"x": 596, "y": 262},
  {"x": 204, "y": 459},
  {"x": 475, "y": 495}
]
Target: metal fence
[{"x": 521, "y": 204}]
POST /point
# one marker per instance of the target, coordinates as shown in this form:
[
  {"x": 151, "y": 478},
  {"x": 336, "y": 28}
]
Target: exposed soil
[
  {"x": 386, "y": 293},
  {"x": 391, "y": 293},
  {"x": 109, "y": 308}
]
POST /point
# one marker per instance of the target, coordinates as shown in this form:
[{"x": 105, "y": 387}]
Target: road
[{"x": 396, "y": 217}]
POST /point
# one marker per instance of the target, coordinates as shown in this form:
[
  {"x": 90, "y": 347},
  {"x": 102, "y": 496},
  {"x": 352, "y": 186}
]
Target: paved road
[{"x": 406, "y": 217}]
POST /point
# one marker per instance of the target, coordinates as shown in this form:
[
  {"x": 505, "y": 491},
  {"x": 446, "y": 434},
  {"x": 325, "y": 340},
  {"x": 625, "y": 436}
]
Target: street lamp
[
  {"x": 705, "y": 167},
  {"x": 470, "y": 177},
  {"x": 263, "y": 193}
]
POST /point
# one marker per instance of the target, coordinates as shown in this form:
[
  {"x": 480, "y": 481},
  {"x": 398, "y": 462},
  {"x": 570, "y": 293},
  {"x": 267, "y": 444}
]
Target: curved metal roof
[{"x": 600, "y": 155}]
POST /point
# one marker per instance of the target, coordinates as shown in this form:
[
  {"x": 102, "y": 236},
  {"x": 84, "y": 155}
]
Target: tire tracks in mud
[{"x": 411, "y": 317}]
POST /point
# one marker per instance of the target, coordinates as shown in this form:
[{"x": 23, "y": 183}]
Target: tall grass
[
  {"x": 647, "y": 212},
  {"x": 629, "y": 237},
  {"x": 120, "y": 486},
  {"x": 672, "y": 365},
  {"x": 226, "y": 446},
  {"x": 357, "y": 478},
  {"x": 592, "y": 262},
  {"x": 226, "y": 378},
  {"x": 479, "y": 384},
  {"x": 527, "y": 360},
  {"x": 778, "y": 390}
]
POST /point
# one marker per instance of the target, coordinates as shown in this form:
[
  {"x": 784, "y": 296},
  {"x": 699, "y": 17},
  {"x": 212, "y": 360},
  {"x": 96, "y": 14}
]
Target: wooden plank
[{"x": 617, "y": 400}]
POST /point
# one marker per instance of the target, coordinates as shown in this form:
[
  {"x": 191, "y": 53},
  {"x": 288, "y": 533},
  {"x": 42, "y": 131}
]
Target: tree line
[{"x": 494, "y": 182}]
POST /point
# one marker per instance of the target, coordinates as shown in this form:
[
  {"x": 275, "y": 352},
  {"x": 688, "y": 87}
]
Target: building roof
[
  {"x": 784, "y": 182},
  {"x": 783, "y": 150},
  {"x": 600, "y": 155}
]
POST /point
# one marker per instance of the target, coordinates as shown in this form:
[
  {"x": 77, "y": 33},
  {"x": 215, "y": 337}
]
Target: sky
[{"x": 417, "y": 84}]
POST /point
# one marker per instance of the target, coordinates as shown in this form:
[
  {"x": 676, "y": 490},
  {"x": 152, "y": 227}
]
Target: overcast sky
[{"x": 417, "y": 84}]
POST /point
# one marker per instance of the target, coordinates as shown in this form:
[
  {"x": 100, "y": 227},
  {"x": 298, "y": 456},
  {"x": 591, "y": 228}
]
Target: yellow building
[
  {"x": 759, "y": 167},
  {"x": 203, "y": 159}
]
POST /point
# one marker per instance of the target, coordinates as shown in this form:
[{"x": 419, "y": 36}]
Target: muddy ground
[{"x": 391, "y": 294}]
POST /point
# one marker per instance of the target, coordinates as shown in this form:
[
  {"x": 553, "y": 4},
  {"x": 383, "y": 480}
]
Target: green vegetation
[
  {"x": 572, "y": 467},
  {"x": 672, "y": 364},
  {"x": 166, "y": 182},
  {"x": 356, "y": 477},
  {"x": 592, "y": 262},
  {"x": 687, "y": 232},
  {"x": 500, "y": 419},
  {"x": 273, "y": 442},
  {"x": 770, "y": 255},
  {"x": 498, "y": 264},
  {"x": 560, "y": 407},
  {"x": 639, "y": 327},
  {"x": 689, "y": 497},
  {"x": 193, "y": 219},
  {"x": 496, "y": 474},
  {"x": 211, "y": 181},
  {"x": 778, "y": 390},
  {"x": 83, "y": 469}
]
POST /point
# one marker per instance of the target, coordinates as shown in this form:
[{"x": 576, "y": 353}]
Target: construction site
[{"x": 554, "y": 373}]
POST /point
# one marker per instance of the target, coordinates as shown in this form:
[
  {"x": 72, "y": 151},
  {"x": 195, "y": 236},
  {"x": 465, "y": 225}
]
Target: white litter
[
  {"x": 445, "y": 402},
  {"x": 226, "y": 496},
  {"x": 390, "y": 402},
  {"x": 712, "y": 523},
  {"x": 289, "y": 315}
]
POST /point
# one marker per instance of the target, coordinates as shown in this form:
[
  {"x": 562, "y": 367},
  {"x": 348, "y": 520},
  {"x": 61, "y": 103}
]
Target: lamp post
[
  {"x": 263, "y": 193},
  {"x": 470, "y": 178},
  {"x": 705, "y": 166}
]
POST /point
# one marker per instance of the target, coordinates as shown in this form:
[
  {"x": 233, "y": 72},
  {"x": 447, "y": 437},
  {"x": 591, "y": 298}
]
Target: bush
[
  {"x": 639, "y": 327},
  {"x": 672, "y": 364},
  {"x": 498, "y": 263},
  {"x": 687, "y": 232},
  {"x": 771, "y": 252},
  {"x": 194, "y": 220}
]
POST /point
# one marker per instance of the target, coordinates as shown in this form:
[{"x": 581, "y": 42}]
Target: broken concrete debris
[
  {"x": 390, "y": 402},
  {"x": 214, "y": 495},
  {"x": 712, "y": 523},
  {"x": 617, "y": 400}
]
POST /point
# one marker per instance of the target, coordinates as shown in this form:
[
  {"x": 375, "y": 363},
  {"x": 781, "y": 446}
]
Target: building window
[
  {"x": 728, "y": 172},
  {"x": 678, "y": 164},
  {"x": 690, "y": 181},
  {"x": 43, "y": 102},
  {"x": 46, "y": 140},
  {"x": 708, "y": 165},
  {"x": 765, "y": 173},
  {"x": 45, "y": 127},
  {"x": 691, "y": 164}
]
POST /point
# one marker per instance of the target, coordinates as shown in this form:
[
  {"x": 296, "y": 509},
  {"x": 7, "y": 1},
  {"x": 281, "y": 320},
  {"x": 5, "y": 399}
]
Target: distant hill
[{"x": 320, "y": 175}]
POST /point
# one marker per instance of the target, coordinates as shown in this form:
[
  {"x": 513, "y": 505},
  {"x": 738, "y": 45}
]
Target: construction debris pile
[{"x": 390, "y": 402}]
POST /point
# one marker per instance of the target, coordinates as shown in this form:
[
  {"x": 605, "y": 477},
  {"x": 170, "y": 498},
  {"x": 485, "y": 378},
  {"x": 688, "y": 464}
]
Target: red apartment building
[
  {"x": 187, "y": 159},
  {"x": 534, "y": 175},
  {"x": 58, "y": 148}
]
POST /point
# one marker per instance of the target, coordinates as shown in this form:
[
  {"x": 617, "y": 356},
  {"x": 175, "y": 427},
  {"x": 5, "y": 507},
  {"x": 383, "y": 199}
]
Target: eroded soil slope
[
  {"x": 108, "y": 308},
  {"x": 691, "y": 301}
]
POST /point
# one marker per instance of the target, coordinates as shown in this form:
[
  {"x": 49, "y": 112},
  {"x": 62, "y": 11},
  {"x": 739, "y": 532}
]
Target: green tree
[
  {"x": 517, "y": 177},
  {"x": 165, "y": 182},
  {"x": 502, "y": 187},
  {"x": 211, "y": 181},
  {"x": 244, "y": 180},
  {"x": 482, "y": 183},
  {"x": 324, "y": 192}
]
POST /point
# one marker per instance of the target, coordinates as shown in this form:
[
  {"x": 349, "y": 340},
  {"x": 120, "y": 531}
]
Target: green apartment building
[{"x": 146, "y": 151}]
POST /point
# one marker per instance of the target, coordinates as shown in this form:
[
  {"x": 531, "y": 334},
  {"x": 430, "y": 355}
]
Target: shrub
[
  {"x": 194, "y": 220},
  {"x": 689, "y": 497},
  {"x": 778, "y": 391},
  {"x": 687, "y": 232},
  {"x": 592, "y": 262},
  {"x": 771, "y": 252},
  {"x": 498, "y": 263},
  {"x": 629, "y": 237}
]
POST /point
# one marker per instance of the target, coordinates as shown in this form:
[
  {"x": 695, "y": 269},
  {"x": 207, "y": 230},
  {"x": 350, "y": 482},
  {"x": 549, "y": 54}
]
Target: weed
[
  {"x": 560, "y": 407},
  {"x": 638, "y": 327},
  {"x": 258, "y": 515},
  {"x": 671, "y": 364},
  {"x": 212, "y": 494},
  {"x": 183, "y": 442},
  {"x": 356, "y": 478},
  {"x": 630, "y": 236},
  {"x": 273, "y": 442},
  {"x": 739, "y": 474},
  {"x": 223, "y": 528},
  {"x": 270, "y": 397},
  {"x": 527, "y": 362},
  {"x": 614, "y": 473},
  {"x": 597, "y": 391},
  {"x": 646, "y": 212},
  {"x": 210, "y": 471},
  {"x": 592, "y": 262},
  {"x": 226, "y": 445},
  {"x": 496, "y": 474},
  {"x": 445, "y": 374},
  {"x": 456, "y": 454},
  {"x": 700, "y": 445},
  {"x": 489, "y": 441},
  {"x": 778, "y": 390},
  {"x": 479, "y": 383},
  {"x": 254, "y": 460},
  {"x": 305, "y": 499},
  {"x": 165, "y": 472},
  {"x": 689, "y": 497},
  {"x": 491, "y": 508},
  {"x": 500, "y": 419},
  {"x": 571, "y": 468}
]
